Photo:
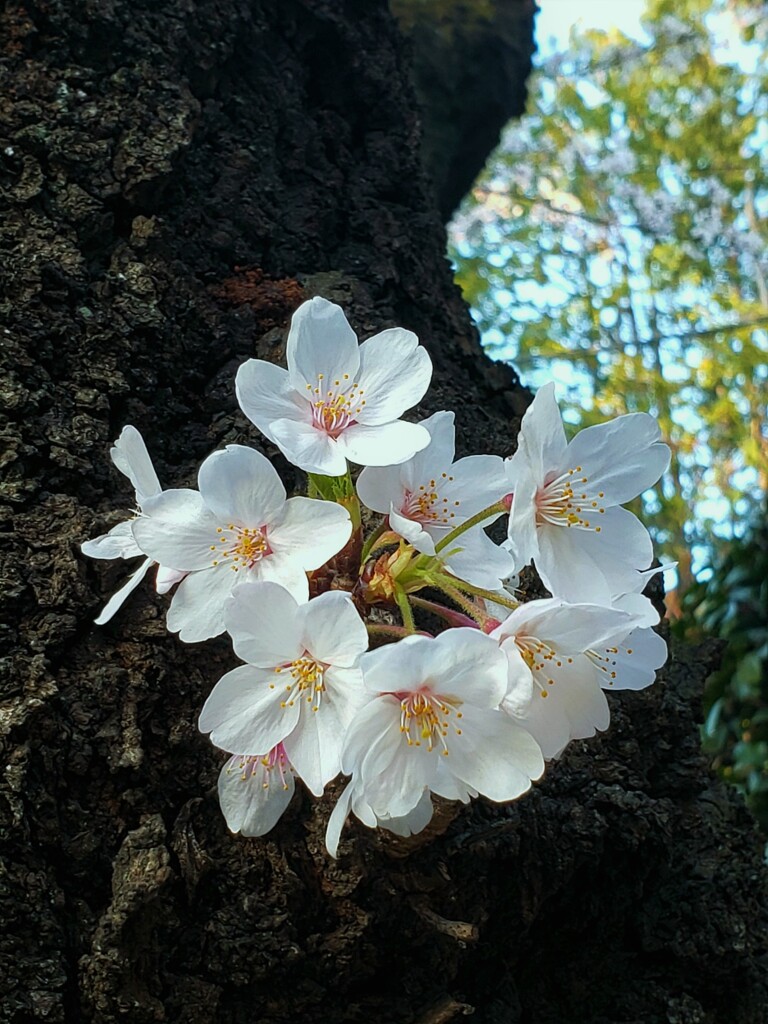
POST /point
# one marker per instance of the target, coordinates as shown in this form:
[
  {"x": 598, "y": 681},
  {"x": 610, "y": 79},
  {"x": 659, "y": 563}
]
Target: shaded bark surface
[
  {"x": 178, "y": 176},
  {"x": 470, "y": 65}
]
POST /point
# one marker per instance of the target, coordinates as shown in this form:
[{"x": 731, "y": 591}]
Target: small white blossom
[
  {"x": 130, "y": 456},
  {"x": 560, "y": 657},
  {"x": 254, "y": 790},
  {"x": 566, "y": 515},
  {"x": 430, "y": 494},
  {"x": 433, "y": 722},
  {"x": 301, "y": 684},
  {"x": 628, "y": 661},
  {"x": 238, "y": 528},
  {"x": 338, "y": 400}
]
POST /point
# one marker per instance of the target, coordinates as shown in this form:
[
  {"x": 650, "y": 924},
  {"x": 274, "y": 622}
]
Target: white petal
[
  {"x": 585, "y": 704},
  {"x": 332, "y": 630},
  {"x": 117, "y": 600},
  {"x": 314, "y": 745},
  {"x": 265, "y": 395},
  {"x": 241, "y": 485},
  {"x": 310, "y": 449},
  {"x": 310, "y": 531},
  {"x": 641, "y": 608},
  {"x": 574, "y": 708},
  {"x": 393, "y": 785},
  {"x": 439, "y": 453},
  {"x": 480, "y": 562},
  {"x": 589, "y": 567},
  {"x": 197, "y": 608},
  {"x": 177, "y": 530},
  {"x": 244, "y": 714},
  {"x": 253, "y": 797},
  {"x": 281, "y": 568},
  {"x": 394, "y": 375},
  {"x": 478, "y": 481},
  {"x": 414, "y": 821},
  {"x": 413, "y": 532},
  {"x": 374, "y": 724},
  {"x": 542, "y": 437},
  {"x": 338, "y": 819},
  {"x": 634, "y": 662},
  {"x": 548, "y": 723},
  {"x": 261, "y": 619},
  {"x": 385, "y": 445},
  {"x": 448, "y": 785},
  {"x": 523, "y": 536},
  {"x": 351, "y": 799},
  {"x": 494, "y": 755},
  {"x": 462, "y": 663},
  {"x": 642, "y": 578},
  {"x": 520, "y": 688},
  {"x": 320, "y": 341},
  {"x": 467, "y": 664},
  {"x": 118, "y": 543},
  {"x": 167, "y": 578},
  {"x": 567, "y": 628},
  {"x": 131, "y": 457},
  {"x": 380, "y": 487},
  {"x": 622, "y": 457}
]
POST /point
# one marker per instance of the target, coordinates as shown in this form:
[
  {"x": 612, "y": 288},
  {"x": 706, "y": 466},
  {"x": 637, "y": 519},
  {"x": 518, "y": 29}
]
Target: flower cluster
[{"x": 321, "y": 598}]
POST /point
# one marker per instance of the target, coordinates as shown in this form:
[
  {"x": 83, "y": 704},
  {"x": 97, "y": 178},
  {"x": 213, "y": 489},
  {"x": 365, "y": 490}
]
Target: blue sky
[{"x": 556, "y": 18}]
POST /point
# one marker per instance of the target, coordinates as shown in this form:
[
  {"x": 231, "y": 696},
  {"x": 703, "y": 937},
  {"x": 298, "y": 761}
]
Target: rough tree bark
[
  {"x": 178, "y": 175},
  {"x": 470, "y": 65}
]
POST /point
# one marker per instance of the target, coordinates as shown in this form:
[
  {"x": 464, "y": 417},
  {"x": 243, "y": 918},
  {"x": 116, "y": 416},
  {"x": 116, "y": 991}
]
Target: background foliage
[{"x": 617, "y": 241}]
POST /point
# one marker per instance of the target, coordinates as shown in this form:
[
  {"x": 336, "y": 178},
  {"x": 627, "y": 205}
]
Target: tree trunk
[{"x": 178, "y": 177}]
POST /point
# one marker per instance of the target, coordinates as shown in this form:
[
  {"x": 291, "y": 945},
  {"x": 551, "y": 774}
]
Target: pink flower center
[
  {"x": 565, "y": 501},
  {"x": 426, "y": 506},
  {"x": 335, "y": 409},
  {"x": 252, "y": 766}
]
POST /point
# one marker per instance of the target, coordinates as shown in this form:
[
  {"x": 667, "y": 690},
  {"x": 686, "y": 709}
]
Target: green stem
[
  {"x": 487, "y": 513},
  {"x": 406, "y": 611},
  {"x": 469, "y": 607},
  {"x": 488, "y": 595},
  {"x": 381, "y": 629},
  {"x": 449, "y": 615}
]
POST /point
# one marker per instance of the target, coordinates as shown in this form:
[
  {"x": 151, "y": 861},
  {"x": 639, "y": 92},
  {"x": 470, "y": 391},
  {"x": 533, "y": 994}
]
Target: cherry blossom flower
[
  {"x": 566, "y": 515},
  {"x": 433, "y": 723},
  {"x": 337, "y": 400},
  {"x": 560, "y": 656},
  {"x": 353, "y": 800},
  {"x": 130, "y": 456},
  {"x": 238, "y": 528},
  {"x": 430, "y": 494},
  {"x": 255, "y": 790},
  {"x": 301, "y": 684}
]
